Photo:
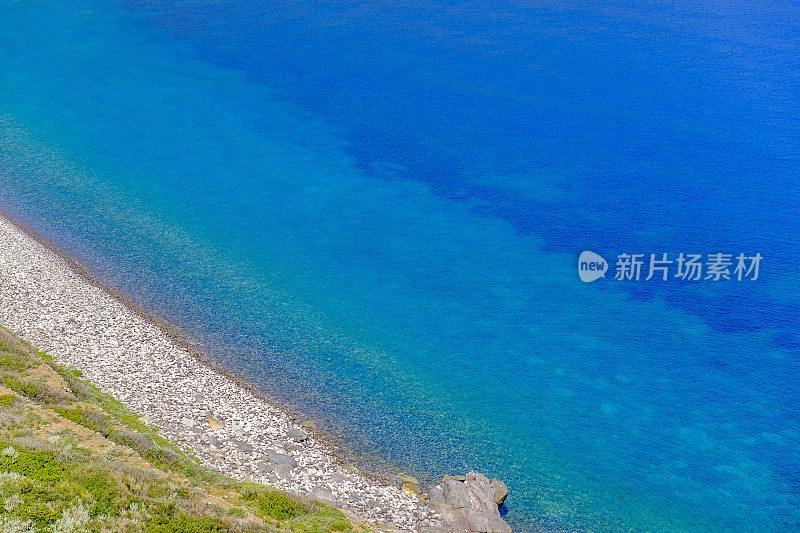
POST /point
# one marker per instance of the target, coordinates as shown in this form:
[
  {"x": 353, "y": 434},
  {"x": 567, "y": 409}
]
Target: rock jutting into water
[{"x": 470, "y": 503}]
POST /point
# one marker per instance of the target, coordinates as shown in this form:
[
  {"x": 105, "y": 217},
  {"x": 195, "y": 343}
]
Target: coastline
[
  {"x": 51, "y": 300},
  {"x": 174, "y": 334}
]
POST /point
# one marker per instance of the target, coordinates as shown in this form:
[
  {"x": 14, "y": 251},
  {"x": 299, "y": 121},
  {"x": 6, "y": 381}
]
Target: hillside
[{"x": 73, "y": 459}]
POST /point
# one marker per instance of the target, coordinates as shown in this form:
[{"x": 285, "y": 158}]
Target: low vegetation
[{"x": 73, "y": 459}]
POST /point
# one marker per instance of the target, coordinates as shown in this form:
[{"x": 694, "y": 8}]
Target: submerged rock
[
  {"x": 353, "y": 469},
  {"x": 411, "y": 489},
  {"x": 409, "y": 485},
  {"x": 405, "y": 478}
]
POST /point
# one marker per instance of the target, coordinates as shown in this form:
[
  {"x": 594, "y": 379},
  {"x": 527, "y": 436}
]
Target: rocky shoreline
[{"x": 228, "y": 427}]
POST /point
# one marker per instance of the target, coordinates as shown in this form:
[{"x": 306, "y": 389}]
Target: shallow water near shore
[{"x": 374, "y": 216}]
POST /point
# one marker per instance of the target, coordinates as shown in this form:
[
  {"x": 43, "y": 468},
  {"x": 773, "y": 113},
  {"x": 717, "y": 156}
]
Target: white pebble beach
[{"x": 84, "y": 326}]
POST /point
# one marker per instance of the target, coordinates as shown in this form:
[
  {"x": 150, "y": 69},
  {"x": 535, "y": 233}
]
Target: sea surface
[{"x": 373, "y": 212}]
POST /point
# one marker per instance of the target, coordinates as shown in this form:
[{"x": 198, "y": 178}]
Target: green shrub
[
  {"x": 323, "y": 518},
  {"x": 41, "y": 512},
  {"x": 36, "y": 390},
  {"x": 40, "y": 465},
  {"x": 89, "y": 418},
  {"x": 80, "y": 387},
  {"x": 21, "y": 387},
  {"x": 101, "y": 490},
  {"x": 275, "y": 504},
  {"x": 13, "y": 362},
  {"x": 237, "y": 512},
  {"x": 7, "y": 400},
  {"x": 181, "y": 523}
]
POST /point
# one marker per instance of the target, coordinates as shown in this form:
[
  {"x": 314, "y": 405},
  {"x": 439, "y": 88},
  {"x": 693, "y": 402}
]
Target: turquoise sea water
[{"x": 373, "y": 212}]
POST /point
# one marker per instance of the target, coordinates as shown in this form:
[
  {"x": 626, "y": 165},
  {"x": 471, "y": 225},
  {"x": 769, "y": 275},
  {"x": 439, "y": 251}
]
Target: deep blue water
[{"x": 373, "y": 212}]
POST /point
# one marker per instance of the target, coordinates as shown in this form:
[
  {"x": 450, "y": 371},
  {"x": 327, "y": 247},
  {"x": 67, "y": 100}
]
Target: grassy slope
[{"x": 74, "y": 459}]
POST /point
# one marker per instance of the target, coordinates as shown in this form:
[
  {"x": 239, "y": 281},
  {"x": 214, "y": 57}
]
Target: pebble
[
  {"x": 283, "y": 471},
  {"x": 214, "y": 423},
  {"x": 243, "y": 446},
  {"x": 297, "y": 435},
  {"x": 321, "y": 493},
  {"x": 281, "y": 458}
]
